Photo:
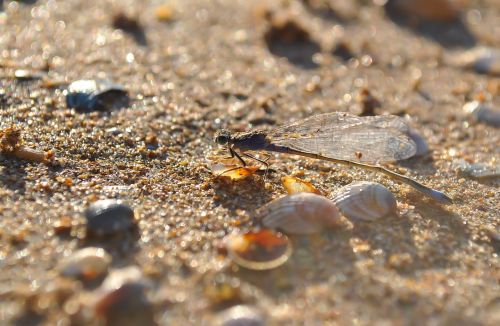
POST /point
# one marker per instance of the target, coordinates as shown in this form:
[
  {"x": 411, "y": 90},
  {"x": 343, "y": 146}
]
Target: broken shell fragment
[
  {"x": 88, "y": 264},
  {"x": 483, "y": 113},
  {"x": 89, "y": 95},
  {"x": 295, "y": 185},
  {"x": 365, "y": 201},
  {"x": 258, "y": 250},
  {"x": 301, "y": 213},
  {"x": 233, "y": 172}
]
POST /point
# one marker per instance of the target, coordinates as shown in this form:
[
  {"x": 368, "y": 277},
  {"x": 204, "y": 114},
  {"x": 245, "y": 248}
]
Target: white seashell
[
  {"x": 422, "y": 147},
  {"x": 481, "y": 112},
  {"x": 300, "y": 213},
  {"x": 87, "y": 263},
  {"x": 365, "y": 201}
]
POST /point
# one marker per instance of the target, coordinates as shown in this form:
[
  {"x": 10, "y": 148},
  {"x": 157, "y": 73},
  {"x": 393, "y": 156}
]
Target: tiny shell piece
[
  {"x": 481, "y": 112},
  {"x": 300, "y": 213},
  {"x": 233, "y": 172},
  {"x": 365, "y": 201},
  {"x": 259, "y": 250},
  {"x": 88, "y": 95},
  {"x": 88, "y": 263},
  {"x": 295, "y": 185},
  {"x": 422, "y": 147}
]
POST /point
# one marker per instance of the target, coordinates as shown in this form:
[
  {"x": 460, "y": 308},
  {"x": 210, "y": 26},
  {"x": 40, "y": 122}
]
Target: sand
[{"x": 219, "y": 64}]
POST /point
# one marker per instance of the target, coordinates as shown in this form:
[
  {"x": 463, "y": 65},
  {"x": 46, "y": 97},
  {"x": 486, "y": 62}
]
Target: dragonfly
[{"x": 338, "y": 137}]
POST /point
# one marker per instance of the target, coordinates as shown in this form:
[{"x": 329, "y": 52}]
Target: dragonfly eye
[{"x": 222, "y": 139}]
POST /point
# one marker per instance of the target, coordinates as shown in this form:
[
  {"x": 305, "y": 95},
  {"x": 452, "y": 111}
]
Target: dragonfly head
[{"x": 222, "y": 137}]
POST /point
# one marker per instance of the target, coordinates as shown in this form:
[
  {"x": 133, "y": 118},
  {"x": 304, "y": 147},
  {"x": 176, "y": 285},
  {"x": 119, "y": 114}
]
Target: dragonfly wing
[{"x": 348, "y": 137}]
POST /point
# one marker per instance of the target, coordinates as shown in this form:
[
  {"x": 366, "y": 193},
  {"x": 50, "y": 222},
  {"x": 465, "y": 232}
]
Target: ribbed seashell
[
  {"x": 365, "y": 201},
  {"x": 483, "y": 113},
  {"x": 422, "y": 146},
  {"x": 87, "y": 263},
  {"x": 300, "y": 213}
]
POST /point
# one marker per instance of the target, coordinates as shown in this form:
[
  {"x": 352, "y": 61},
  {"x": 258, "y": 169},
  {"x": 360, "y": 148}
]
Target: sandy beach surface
[{"x": 192, "y": 67}]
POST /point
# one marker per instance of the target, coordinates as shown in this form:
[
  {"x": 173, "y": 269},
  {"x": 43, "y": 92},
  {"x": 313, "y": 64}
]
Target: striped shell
[
  {"x": 365, "y": 201},
  {"x": 300, "y": 213}
]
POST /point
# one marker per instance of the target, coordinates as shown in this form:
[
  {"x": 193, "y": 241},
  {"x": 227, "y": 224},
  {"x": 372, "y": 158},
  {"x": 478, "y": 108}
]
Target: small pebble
[
  {"x": 107, "y": 217},
  {"x": 476, "y": 170},
  {"x": 88, "y": 264},
  {"x": 89, "y": 95},
  {"x": 483, "y": 113},
  {"x": 122, "y": 299}
]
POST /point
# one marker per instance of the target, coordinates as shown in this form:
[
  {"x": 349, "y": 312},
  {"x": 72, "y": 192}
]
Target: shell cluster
[
  {"x": 365, "y": 201},
  {"x": 300, "y": 213}
]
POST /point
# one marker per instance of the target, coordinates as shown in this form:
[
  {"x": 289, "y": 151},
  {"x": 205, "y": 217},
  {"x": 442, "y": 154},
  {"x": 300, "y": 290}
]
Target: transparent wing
[{"x": 344, "y": 136}]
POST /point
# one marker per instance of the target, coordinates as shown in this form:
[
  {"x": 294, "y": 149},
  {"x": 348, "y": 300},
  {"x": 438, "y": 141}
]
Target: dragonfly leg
[{"x": 234, "y": 153}]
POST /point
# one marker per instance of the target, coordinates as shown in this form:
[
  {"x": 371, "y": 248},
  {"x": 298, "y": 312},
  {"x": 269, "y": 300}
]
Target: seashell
[
  {"x": 365, "y": 201},
  {"x": 301, "y": 213},
  {"x": 259, "y": 250},
  {"x": 484, "y": 60},
  {"x": 233, "y": 172},
  {"x": 88, "y": 263},
  {"x": 89, "y": 95},
  {"x": 295, "y": 185},
  {"x": 241, "y": 315},
  {"x": 422, "y": 146},
  {"x": 481, "y": 112},
  {"x": 476, "y": 170},
  {"x": 107, "y": 217},
  {"x": 122, "y": 299}
]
